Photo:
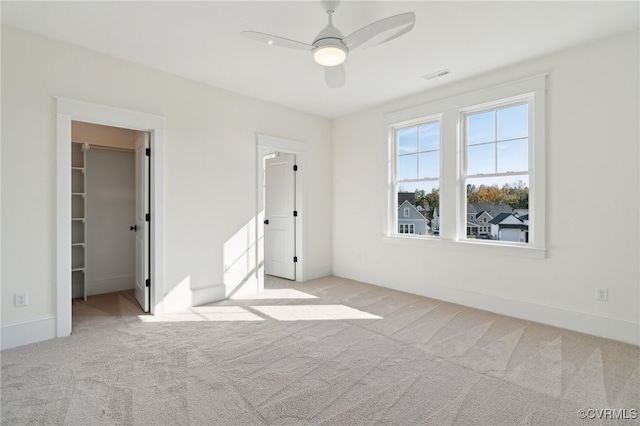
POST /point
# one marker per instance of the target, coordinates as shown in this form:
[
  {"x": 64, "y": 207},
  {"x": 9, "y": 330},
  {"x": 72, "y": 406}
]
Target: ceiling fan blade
[
  {"x": 380, "y": 31},
  {"x": 276, "y": 41},
  {"x": 335, "y": 76}
]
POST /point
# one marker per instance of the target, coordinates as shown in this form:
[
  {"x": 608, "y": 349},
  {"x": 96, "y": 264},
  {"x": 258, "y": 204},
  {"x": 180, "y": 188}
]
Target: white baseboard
[
  {"x": 571, "y": 319},
  {"x": 208, "y": 294},
  {"x": 184, "y": 297},
  {"x": 318, "y": 272},
  {"x": 21, "y": 333},
  {"x": 609, "y": 327},
  {"x": 110, "y": 285}
]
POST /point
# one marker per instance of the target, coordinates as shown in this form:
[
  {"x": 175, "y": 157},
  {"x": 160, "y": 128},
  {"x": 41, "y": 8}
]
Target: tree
[{"x": 515, "y": 195}]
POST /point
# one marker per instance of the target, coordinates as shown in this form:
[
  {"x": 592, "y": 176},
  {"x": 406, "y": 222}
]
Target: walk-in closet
[{"x": 103, "y": 209}]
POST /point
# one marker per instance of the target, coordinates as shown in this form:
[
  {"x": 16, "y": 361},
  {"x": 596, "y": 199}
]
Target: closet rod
[{"x": 111, "y": 148}]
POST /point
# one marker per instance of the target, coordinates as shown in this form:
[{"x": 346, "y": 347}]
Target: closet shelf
[{"x": 78, "y": 223}]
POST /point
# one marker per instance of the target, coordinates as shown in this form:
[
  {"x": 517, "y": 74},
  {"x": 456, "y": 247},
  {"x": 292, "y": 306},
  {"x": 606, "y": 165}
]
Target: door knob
[{"x": 133, "y": 228}]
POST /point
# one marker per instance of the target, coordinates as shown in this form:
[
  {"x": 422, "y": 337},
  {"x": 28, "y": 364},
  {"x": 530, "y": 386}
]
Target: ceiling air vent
[{"x": 436, "y": 74}]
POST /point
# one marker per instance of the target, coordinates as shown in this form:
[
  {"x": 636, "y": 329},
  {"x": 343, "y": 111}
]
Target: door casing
[
  {"x": 68, "y": 110},
  {"x": 264, "y": 145}
]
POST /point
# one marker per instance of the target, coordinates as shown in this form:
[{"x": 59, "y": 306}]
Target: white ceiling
[{"x": 201, "y": 41}]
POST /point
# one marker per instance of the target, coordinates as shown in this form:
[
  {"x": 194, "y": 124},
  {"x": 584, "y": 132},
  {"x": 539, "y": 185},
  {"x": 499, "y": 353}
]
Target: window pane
[
  {"x": 504, "y": 203},
  {"x": 481, "y": 127},
  {"x": 408, "y": 167},
  {"x": 429, "y": 137},
  {"x": 513, "y": 156},
  {"x": 423, "y": 201},
  {"x": 407, "y": 140},
  {"x": 481, "y": 159},
  {"x": 513, "y": 122},
  {"x": 429, "y": 165}
]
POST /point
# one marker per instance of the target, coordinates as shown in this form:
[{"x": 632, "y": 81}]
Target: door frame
[
  {"x": 274, "y": 222},
  {"x": 68, "y": 110},
  {"x": 265, "y": 145}
]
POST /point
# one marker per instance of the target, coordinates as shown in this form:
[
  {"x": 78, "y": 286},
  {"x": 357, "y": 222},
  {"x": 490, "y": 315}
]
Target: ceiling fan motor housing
[{"x": 329, "y": 50}]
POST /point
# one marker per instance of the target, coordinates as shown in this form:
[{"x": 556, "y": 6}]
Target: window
[
  {"x": 417, "y": 173},
  {"x": 496, "y": 154},
  {"x": 406, "y": 228},
  {"x": 473, "y": 166}
]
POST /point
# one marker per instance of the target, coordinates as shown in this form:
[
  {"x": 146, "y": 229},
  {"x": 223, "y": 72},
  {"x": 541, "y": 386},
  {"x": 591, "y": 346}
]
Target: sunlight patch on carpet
[{"x": 313, "y": 312}]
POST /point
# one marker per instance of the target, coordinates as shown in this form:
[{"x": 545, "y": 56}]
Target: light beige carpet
[{"x": 328, "y": 352}]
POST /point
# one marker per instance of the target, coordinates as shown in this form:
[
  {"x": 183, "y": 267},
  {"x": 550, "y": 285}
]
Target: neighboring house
[
  {"x": 410, "y": 220},
  {"x": 520, "y": 212},
  {"x": 479, "y": 217},
  {"x": 406, "y": 196},
  {"x": 435, "y": 222},
  {"x": 508, "y": 227}
]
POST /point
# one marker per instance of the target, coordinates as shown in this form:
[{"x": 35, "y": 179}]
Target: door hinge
[
  {"x": 295, "y": 167},
  {"x": 295, "y": 213},
  {"x": 295, "y": 259},
  {"x": 148, "y": 282},
  {"x": 147, "y": 217},
  {"x": 266, "y": 221},
  {"x": 147, "y": 152}
]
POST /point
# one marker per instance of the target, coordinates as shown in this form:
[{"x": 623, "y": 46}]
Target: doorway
[
  {"x": 69, "y": 110},
  {"x": 280, "y": 215},
  {"x": 110, "y": 239},
  {"x": 268, "y": 146}
]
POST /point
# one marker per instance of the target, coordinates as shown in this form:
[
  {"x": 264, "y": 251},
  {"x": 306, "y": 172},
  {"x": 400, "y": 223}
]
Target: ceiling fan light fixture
[{"x": 329, "y": 54}]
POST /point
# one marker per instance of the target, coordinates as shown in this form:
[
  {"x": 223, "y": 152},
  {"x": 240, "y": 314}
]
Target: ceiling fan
[{"x": 330, "y": 47}]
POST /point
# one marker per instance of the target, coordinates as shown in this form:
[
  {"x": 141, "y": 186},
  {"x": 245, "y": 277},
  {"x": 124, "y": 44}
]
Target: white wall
[
  {"x": 592, "y": 199},
  {"x": 210, "y": 164},
  {"x": 110, "y": 205}
]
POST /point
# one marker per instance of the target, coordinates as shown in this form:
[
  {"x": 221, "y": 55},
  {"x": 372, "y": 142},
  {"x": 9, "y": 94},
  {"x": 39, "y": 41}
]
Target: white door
[
  {"x": 142, "y": 225},
  {"x": 280, "y": 225}
]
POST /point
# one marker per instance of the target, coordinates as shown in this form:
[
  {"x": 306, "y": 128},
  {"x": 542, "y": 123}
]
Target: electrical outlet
[
  {"x": 602, "y": 294},
  {"x": 20, "y": 299}
]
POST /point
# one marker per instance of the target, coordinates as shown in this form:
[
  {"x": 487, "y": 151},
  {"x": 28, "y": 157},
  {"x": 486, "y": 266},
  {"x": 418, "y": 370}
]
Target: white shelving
[{"x": 78, "y": 205}]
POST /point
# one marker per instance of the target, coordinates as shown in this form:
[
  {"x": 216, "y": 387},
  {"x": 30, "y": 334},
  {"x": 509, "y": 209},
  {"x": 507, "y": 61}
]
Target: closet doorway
[
  {"x": 110, "y": 234},
  {"x": 289, "y": 158}
]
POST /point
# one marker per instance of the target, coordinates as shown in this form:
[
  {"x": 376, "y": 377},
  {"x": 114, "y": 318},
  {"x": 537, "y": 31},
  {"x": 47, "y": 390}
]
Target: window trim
[
  {"x": 463, "y": 113},
  {"x": 451, "y": 204},
  {"x": 393, "y": 156}
]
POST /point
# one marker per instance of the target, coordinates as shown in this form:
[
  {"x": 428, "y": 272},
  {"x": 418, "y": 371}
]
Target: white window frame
[
  {"x": 452, "y": 230},
  {"x": 486, "y": 107},
  {"x": 393, "y": 163}
]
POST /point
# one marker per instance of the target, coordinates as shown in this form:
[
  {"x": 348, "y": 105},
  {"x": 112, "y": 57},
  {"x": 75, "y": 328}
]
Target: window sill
[{"x": 483, "y": 247}]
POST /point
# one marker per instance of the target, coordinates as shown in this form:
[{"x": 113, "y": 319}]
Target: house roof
[
  {"x": 500, "y": 217},
  {"x": 407, "y": 196},
  {"x": 492, "y": 209}
]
